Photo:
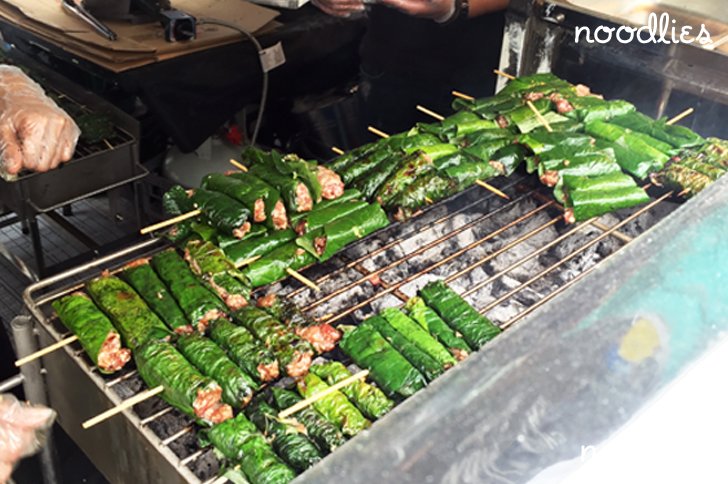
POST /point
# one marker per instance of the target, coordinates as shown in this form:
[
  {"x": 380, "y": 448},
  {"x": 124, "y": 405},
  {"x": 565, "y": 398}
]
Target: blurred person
[{"x": 418, "y": 51}]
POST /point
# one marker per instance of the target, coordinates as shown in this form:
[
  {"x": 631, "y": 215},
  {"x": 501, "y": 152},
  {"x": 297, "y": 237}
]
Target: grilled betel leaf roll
[
  {"x": 211, "y": 360},
  {"x": 390, "y": 370},
  {"x": 245, "y": 350},
  {"x": 421, "y": 338},
  {"x": 140, "y": 275},
  {"x": 249, "y": 248},
  {"x": 159, "y": 363},
  {"x": 427, "y": 365},
  {"x": 294, "y": 181},
  {"x": 431, "y": 322},
  {"x": 370, "y": 400},
  {"x": 318, "y": 217},
  {"x": 239, "y": 441},
  {"x": 97, "y": 335},
  {"x": 219, "y": 273},
  {"x": 131, "y": 316},
  {"x": 199, "y": 304},
  {"x": 262, "y": 199},
  {"x": 458, "y": 314},
  {"x": 292, "y": 352},
  {"x": 335, "y": 407},
  {"x": 289, "y": 441},
  {"x": 222, "y": 212},
  {"x": 677, "y": 136},
  {"x": 272, "y": 266},
  {"x": 325, "y": 434},
  {"x": 334, "y": 236}
]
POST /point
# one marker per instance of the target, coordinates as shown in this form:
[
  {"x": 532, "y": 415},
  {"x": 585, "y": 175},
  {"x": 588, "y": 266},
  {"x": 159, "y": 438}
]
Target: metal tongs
[{"x": 80, "y": 11}]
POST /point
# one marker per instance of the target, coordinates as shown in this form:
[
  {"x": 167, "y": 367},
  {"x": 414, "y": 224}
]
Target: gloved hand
[
  {"x": 437, "y": 10},
  {"x": 340, "y": 8},
  {"x": 22, "y": 429},
  {"x": 35, "y": 134}
]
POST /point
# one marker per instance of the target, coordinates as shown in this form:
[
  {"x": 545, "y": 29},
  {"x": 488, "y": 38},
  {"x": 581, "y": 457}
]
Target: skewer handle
[
  {"x": 681, "y": 116},
  {"x": 315, "y": 398},
  {"x": 128, "y": 403},
  {"x": 374, "y": 130},
  {"x": 296, "y": 275},
  {"x": 463, "y": 96},
  {"x": 239, "y": 165},
  {"x": 504, "y": 74},
  {"x": 493, "y": 189},
  {"x": 46, "y": 350},
  {"x": 428, "y": 112},
  {"x": 172, "y": 221},
  {"x": 337, "y": 150}
]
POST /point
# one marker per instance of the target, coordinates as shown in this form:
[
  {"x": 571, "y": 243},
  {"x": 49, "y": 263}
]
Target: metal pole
[
  {"x": 33, "y": 385},
  {"x": 10, "y": 383}
]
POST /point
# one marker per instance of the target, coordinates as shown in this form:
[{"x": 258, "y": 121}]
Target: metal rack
[{"x": 477, "y": 242}]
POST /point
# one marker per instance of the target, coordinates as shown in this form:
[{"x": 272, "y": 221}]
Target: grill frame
[{"x": 153, "y": 459}]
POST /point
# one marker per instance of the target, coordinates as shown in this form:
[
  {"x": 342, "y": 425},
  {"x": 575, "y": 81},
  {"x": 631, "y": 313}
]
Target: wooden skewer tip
[
  {"x": 428, "y": 112},
  {"x": 504, "y": 74},
  {"x": 318, "y": 396},
  {"x": 128, "y": 403},
  {"x": 378, "y": 132},
  {"x": 540, "y": 117},
  {"x": 172, "y": 221},
  {"x": 336, "y": 150},
  {"x": 239, "y": 165},
  {"x": 463, "y": 96},
  {"x": 46, "y": 350},
  {"x": 298, "y": 276},
  {"x": 246, "y": 262},
  {"x": 493, "y": 189},
  {"x": 681, "y": 116}
]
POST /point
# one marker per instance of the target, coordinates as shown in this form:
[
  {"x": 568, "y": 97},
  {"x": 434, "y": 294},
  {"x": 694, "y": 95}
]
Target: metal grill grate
[{"x": 507, "y": 257}]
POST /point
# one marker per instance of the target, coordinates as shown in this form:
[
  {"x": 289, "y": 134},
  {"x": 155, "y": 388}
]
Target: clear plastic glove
[
  {"x": 22, "y": 431},
  {"x": 340, "y": 8},
  {"x": 35, "y": 134},
  {"x": 437, "y": 10}
]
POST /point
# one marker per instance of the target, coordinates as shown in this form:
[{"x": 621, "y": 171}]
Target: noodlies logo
[{"x": 659, "y": 30}]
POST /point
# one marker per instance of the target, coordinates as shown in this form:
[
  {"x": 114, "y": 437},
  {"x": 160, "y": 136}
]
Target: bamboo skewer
[
  {"x": 423, "y": 109},
  {"x": 315, "y": 398},
  {"x": 540, "y": 117},
  {"x": 239, "y": 165},
  {"x": 246, "y": 262},
  {"x": 337, "y": 150},
  {"x": 299, "y": 277},
  {"x": 374, "y": 130},
  {"x": 172, "y": 221},
  {"x": 681, "y": 116},
  {"x": 493, "y": 189},
  {"x": 504, "y": 74},
  {"x": 46, "y": 350},
  {"x": 463, "y": 96},
  {"x": 128, "y": 403}
]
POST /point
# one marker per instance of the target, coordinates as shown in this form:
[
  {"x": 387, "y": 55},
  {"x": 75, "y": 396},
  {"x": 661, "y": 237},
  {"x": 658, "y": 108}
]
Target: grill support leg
[
  {"x": 37, "y": 245},
  {"x": 33, "y": 385}
]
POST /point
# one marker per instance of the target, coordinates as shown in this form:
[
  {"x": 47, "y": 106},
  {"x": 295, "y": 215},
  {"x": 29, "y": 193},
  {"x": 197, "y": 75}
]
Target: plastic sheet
[
  {"x": 35, "y": 134},
  {"x": 22, "y": 431}
]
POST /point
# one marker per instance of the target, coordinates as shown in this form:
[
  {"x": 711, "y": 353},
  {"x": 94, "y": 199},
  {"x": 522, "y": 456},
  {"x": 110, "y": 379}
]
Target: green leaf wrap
[
  {"x": 132, "y": 317},
  {"x": 682, "y": 178},
  {"x": 390, "y": 370},
  {"x": 79, "y": 314},
  {"x": 289, "y": 443},
  {"x": 198, "y": 303},
  {"x": 458, "y": 314},
  {"x": 341, "y": 163},
  {"x": 242, "y": 347},
  {"x": 343, "y": 231},
  {"x": 536, "y": 82},
  {"x": 485, "y": 150},
  {"x": 430, "y": 186},
  {"x": 507, "y": 159},
  {"x": 429, "y": 320},
  {"x": 335, "y": 407},
  {"x": 318, "y": 217},
  {"x": 292, "y": 352},
  {"x": 176, "y": 201},
  {"x": 370, "y": 400},
  {"x": 418, "y": 336},
  {"x": 247, "y": 249},
  {"x": 468, "y": 173},
  {"x": 367, "y": 165},
  {"x": 593, "y": 201},
  {"x": 426, "y": 365},
  {"x": 583, "y": 164},
  {"x": 403, "y": 176},
  {"x": 588, "y": 109},
  {"x": 159, "y": 363},
  {"x": 150, "y": 287},
  {"x": 218, "y": 273},
  {"x": 372, "y": 181},
  {"x": 246, "y": 189},
  {"x": 676, "y": 136},
  {"x": 272, "y": 266},
  {"x": 239, "y": 441},
  {"x": 211, "y": 360},
  {"x": 286, "y": 185},
  {"x": 222, "y": 212},
  {"x": 325, "y": 434}
]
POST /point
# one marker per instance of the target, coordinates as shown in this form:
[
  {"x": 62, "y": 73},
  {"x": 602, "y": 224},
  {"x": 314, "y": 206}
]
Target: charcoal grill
[
  {"x": 95, "y": 168},
  {"x": 507, "y": 257}
]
